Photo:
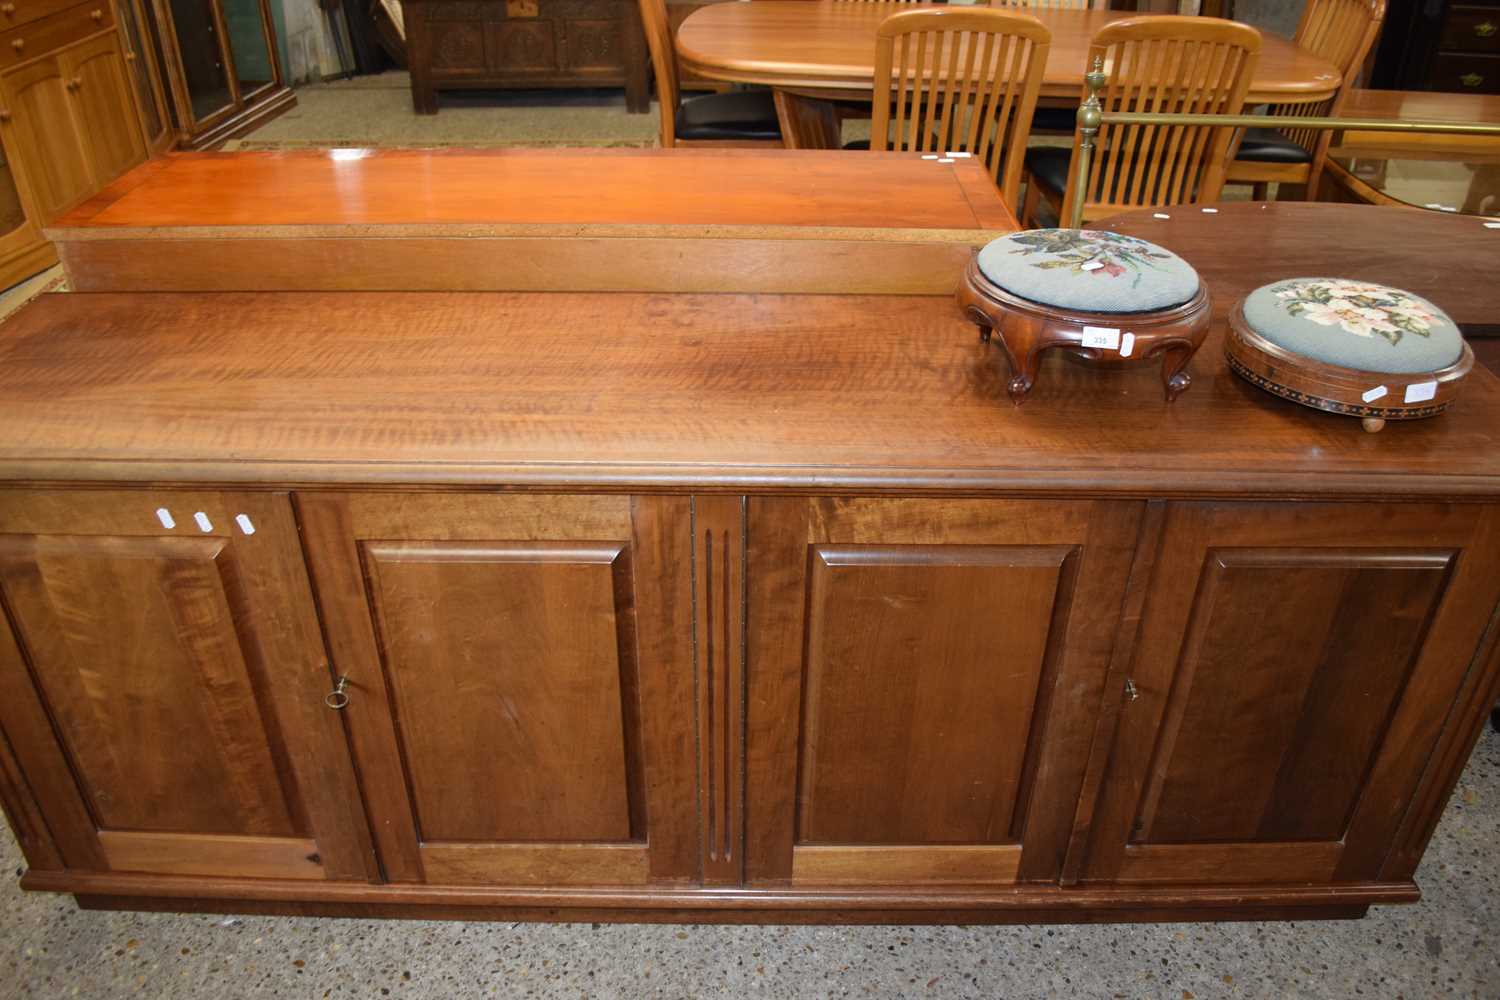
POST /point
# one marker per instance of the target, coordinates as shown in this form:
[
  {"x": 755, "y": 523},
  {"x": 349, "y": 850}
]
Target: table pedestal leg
[{"x": 807, "y": 123}]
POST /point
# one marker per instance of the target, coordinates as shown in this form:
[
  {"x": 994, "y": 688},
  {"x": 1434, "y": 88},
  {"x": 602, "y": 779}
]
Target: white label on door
[
  {"x": 1101, "y": 336},
  {"x": 1420, "y": 392}
]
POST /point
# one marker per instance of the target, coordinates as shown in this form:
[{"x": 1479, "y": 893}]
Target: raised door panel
[
  {"x": 512, "y": 683},
  {"x": 923, "y": 679},
  {"x": 44, "y": 137},
  {"x": 106, "y": 109},
  {"x": 522, "y": 47},
  {"x": 1295, "y": 668},
  {"x": 457, "y": 47},
  {"x": 593, "y": 46},
  {"x": 164, "y": 685}
]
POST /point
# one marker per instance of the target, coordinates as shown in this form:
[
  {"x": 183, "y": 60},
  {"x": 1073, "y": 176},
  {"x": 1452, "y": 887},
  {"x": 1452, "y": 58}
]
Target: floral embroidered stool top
[
  {"x": 1089, "y": 270},
  {"x": 1354, "y": 324}
]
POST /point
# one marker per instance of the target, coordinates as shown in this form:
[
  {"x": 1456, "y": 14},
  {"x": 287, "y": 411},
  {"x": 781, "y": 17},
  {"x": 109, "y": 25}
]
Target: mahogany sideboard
[{"x": 729, "y": 607}]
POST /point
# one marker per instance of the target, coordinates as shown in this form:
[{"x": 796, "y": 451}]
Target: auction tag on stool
[
  {"x": 1101, "y": 336},
  {"x": 1420, "y": 392}
]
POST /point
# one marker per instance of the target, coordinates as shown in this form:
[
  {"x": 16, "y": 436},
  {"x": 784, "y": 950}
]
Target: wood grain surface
[
  {"x": 827, "y": 45},
  {"x": 646, "y": 391}
]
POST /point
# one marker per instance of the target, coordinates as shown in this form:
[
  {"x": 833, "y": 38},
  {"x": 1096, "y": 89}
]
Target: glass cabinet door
[
  {"x": 142, "y": 77},
  {"x": 245, "y": 25},
  {"x": 201, "y": 56}
]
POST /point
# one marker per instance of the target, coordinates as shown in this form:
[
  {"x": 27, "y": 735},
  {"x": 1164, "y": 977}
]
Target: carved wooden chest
[{"x": 478, "y": 44}]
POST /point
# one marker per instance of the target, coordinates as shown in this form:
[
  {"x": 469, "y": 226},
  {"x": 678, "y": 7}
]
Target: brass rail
[{"x": 1091, "y": 115}]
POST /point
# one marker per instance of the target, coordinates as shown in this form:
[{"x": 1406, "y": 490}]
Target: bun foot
[
  {"x": 1373, "y": 425},
  {"x": 1177, "y": 384},
  {"x": 1018, "y": 387}
]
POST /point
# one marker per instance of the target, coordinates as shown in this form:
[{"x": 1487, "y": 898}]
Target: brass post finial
[{"x": 1090, "y": 117}]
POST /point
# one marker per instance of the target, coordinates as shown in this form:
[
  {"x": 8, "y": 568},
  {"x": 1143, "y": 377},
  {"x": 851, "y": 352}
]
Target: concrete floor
[{"x": 1443, "y": 946}]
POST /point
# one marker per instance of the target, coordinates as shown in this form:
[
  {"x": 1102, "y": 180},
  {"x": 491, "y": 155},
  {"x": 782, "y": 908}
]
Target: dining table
[{"x": 814, "y": 52}]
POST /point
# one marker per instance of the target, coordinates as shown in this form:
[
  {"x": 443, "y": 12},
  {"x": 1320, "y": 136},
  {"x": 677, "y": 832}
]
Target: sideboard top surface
[
  {"x": 657, "y": 391},
  {"x": 244, "y": 195}
]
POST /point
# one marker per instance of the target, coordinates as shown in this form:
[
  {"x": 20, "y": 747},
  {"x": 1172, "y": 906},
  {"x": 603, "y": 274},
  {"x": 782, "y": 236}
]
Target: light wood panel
[
  {"x": 1285, "y": 659},
  {"x": 720, "y": 187},
  {"x": 823, "y": 48},
  {"x": 163, "y": 686},
  {"x": 899, "y": 718},
  {"x": 495, "y": 683}
]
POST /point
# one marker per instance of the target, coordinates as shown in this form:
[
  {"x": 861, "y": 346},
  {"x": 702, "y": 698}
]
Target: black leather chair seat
[
  {"x": 1049, "y": 166},
  {"x": 1266, "y": 145},
  {"x": 1055, "y": 120},
  {"x": 739, "y": 114}
]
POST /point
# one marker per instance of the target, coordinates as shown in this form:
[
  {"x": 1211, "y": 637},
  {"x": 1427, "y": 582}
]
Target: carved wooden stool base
[
  {"x": 1374, "y": 397},
  {"x": 1026, "y": 329}
]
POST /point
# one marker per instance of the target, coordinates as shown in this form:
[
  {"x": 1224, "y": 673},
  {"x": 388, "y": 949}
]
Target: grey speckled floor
[{"x": 1448, "y": 945}]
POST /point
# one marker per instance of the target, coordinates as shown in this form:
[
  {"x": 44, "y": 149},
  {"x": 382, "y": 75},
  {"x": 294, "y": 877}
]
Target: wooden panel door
[
  {"x": 519, "y": 674},
  {"x": 923, "y": 676},
  {"x": 105, "y": 107},
  {"x": 1295, "y": 667},
  {"x": 43, "y": 136},
  {"x": 161, "y": 685}
]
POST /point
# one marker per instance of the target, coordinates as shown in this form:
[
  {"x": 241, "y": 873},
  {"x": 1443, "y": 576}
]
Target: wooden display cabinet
[{"x": 221, "y": 67}]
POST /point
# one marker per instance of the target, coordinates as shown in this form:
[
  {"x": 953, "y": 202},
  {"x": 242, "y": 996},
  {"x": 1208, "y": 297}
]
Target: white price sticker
[
  {"x": 1370, "y": 395},
  {"x": 1420, "y": 392},
  {"x": 1101, "y": 336}
]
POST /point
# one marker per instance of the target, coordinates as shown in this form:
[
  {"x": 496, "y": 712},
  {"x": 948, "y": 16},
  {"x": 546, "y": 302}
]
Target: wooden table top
[
  {"x": 1449, "y": 259},
  {"x": 822, "y": 45},
  {"x": 534, "y": 187},
  {"x": 833, "y": 393},
  {"x": 1414, "y": 105}
]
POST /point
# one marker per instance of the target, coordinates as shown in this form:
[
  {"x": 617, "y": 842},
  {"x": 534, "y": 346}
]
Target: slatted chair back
[
  {"x": 1341, "y": 31},
  {"x": 663, "y": 64},
  {"x": 962, "y": 80},
  {"x": 1172, "y": 64}
]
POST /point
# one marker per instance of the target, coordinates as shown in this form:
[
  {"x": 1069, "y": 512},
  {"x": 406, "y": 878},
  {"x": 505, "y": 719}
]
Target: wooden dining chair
[
  {"x": 734, "y": 118},
  {"x": 1163, "y": 64},
  {"x": 961, "y": 80},
  {"x": 1341, "y": 31}
]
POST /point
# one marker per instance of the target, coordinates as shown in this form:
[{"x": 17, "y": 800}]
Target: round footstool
[
  {"x": 1103, "y": 297},
  {"x": 1352, "y": 347}
]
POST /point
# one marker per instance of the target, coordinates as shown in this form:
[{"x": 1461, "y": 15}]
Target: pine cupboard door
[
  {"x": 106, "y": 109},
  {"x": 1295, "y": 668},
  {"x": 922, "y": 682},
  {"x": 42, "y": 133},
  {"x": 519, "y": 682},
  {"x": 161, "y": 687}
]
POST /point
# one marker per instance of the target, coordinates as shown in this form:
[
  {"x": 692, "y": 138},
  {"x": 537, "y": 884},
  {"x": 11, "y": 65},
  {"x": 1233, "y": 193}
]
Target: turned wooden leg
[{"x": 1373, "y": 425}]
